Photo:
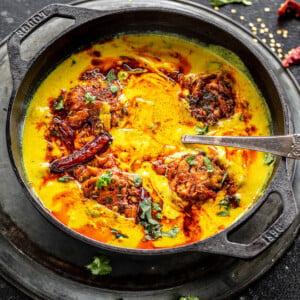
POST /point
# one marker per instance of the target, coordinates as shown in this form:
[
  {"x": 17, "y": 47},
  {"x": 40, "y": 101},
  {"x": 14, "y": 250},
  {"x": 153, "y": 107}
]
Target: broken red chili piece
[
  {"x": 96, "y": 146},
  {"x": 293, "y": 58},
  {"x": 289, "y": 8}
]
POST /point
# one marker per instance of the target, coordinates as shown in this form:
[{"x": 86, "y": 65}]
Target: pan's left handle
[{"x": 19, "y": 66}]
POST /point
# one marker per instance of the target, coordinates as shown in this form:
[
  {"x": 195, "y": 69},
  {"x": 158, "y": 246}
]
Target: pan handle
[
  {"x": 19, "y": 66},
  {"x": 220, "y": 244}
]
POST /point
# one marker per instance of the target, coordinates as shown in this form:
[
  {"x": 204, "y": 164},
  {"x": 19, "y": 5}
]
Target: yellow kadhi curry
[{"x": 138, "y": 94}]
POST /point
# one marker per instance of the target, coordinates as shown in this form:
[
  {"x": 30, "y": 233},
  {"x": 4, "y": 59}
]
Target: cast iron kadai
[{"x": 91, "y": 26}]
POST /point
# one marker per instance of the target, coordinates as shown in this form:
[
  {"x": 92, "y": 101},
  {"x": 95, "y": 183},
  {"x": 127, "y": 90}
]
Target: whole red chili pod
[{"x": 96, "y": 146}]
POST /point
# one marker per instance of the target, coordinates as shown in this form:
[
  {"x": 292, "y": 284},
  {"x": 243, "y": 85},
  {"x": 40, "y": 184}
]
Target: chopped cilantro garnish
[
  {"x": 59, "y": 103},
  {"x": 269, "y": 159},
  {"x": 156, "y": 206},
  {"x": 137, "y": 180},
  {"x": 227, "y": 203},
  {"x": 65, "y": 178},
  {"x": 208, "y": 164},
  {"x": 191, "y": 160},
  {"x": 118, "y": 234},
  {"x": 104, "y": 180},
  {"x": 224, "y": 177},
  {"x": 172, "y": 233},
  {"x": 89, "y": 98},
  {"x": 223, "y": 213},
  {"x": 158, "y": 216},
  {"x": 201, "y": 130},
  {"x": 114, "y": 88},
  {"x": 111, "y": 76},
  {"x": 100, "y": 266}
]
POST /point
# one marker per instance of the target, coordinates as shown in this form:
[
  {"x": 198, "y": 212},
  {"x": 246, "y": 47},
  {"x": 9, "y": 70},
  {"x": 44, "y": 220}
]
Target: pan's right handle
[{"x": 19, "y": 66}]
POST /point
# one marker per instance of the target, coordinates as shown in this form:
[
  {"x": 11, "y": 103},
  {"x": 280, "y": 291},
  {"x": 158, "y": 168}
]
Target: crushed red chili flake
[
  {"x": 292, "y": 58},
  {"x": 289, "y": 8}
]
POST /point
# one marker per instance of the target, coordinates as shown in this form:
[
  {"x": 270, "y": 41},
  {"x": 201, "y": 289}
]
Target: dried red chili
[
  {"x": 96, "y": 146},
  {"x": 289, "y": 8},
  {"x": 293, "y": 58}
]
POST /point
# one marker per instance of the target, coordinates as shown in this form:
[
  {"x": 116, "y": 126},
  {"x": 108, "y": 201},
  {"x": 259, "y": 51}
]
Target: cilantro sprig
[
  {"x": 100, "y": 266},
  {"x": 104, "y": 180}
]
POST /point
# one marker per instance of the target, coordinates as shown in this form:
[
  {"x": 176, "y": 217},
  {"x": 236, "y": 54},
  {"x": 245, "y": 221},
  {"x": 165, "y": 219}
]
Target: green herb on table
[
  {"x": 201, "y": 130},
  {"x": 118, "y": 234},
  {"x": 208, "y": 164},
  {"x": 269, "y": 159},
  {"x": 104, "y": 180},
  {"x": 65, "y": 178},
  {"x": 89, "y": 98},
  {"x": 191, "y": 160},
  {"x": 100, "y": 266},
  {"x": 224, "y": 2}
]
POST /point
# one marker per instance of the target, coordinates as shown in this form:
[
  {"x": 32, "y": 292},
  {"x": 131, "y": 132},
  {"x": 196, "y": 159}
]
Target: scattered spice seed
[
  {"x": 259, "y": 20},
  {"x": 279, "y": 31},
  {"x": 273, "y": 49},
  {"x": 242, "y": 17},
  {"x": 261, "y": 31},
  {"x": 267, "y": 9},
  {"x": 251, "y": 24},
  {"x": 271, "y": 35},
  {"x": 262, "y": 25},
  {"x": 280, "y": 55},
  {"x": 233, "y": 11},
  {"x": 264, "y": 40},
  {"x": 255, "y": 40},
  {"x": 266, "y": 29},
  {"x": 278, "y": 45},
  {"x": 216, "y": 8},
  {"x": 279, "y": 50},
  {"x": 273, "y": 41}
]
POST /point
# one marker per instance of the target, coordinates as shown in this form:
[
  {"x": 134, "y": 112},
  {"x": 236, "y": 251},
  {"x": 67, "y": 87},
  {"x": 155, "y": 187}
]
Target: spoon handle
[{"x": 283, "y": 145}]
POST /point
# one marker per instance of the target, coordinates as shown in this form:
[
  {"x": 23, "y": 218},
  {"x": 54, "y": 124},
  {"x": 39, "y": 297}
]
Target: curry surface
[{"x": 157, "y": 121}]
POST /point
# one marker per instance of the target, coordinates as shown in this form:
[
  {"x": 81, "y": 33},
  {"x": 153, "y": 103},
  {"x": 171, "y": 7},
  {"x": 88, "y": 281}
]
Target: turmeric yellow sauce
[{"x": 156, "y": 118}]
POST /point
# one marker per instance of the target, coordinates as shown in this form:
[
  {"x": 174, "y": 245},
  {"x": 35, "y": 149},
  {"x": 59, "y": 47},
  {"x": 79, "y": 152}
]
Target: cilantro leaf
[
  {"x": 100, "y": 266},
  {"x": 158, "y": 216},
  {"x": 156, "y": 206},
  {"x": 208, "y": 164},
  {"x": 223, "y": 213},
  {"x": 224, "y": 177},
  {"x": 65, "y": 178},
  {"x": 146, "y": 207},
  {"x": 111, "y": 76},
  {"x": 191, "y": 160},
  {"x": 114, "y": 88},
  {"x": 118, "y": 234},
  {"x": 137, "y": 180},
  {"x": 201, "y": 130},
  {"x": 59, "y": 103},
  {"x": 223, "y": 2},
  {"x": 269, "y": 159},
  {"x": 89, "y": 98},
  {"x": 172, "y": 233},
  {"x": 104, "y": 180}
]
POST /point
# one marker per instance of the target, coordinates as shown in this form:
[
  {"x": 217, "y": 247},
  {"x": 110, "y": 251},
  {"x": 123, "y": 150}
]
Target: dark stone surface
[{"x": 283, "y": 280}]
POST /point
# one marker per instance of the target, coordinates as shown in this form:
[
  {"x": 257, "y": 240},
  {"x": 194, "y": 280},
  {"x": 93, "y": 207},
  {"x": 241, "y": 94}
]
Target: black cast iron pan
[{"x": 91, "y": 26}]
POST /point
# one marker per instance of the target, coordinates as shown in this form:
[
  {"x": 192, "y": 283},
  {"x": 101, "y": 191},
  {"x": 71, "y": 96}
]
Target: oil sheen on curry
[{"x": 102, "y": 141}]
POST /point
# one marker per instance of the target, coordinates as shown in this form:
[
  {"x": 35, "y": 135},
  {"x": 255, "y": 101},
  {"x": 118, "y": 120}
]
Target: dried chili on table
[
  {"x": 292, "y": 58},
  {"x": 289, "y": 8}
]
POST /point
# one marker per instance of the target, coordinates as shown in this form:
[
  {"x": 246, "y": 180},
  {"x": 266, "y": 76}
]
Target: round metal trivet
[{"x": 47, "y": 263}]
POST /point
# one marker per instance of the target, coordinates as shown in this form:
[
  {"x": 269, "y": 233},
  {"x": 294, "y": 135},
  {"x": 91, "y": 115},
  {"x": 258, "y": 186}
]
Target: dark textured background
[{"x": 283, "y": 280}]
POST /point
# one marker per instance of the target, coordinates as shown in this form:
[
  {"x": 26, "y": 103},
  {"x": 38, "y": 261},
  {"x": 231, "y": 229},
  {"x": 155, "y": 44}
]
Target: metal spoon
[{"x": 283, "y": 145}]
